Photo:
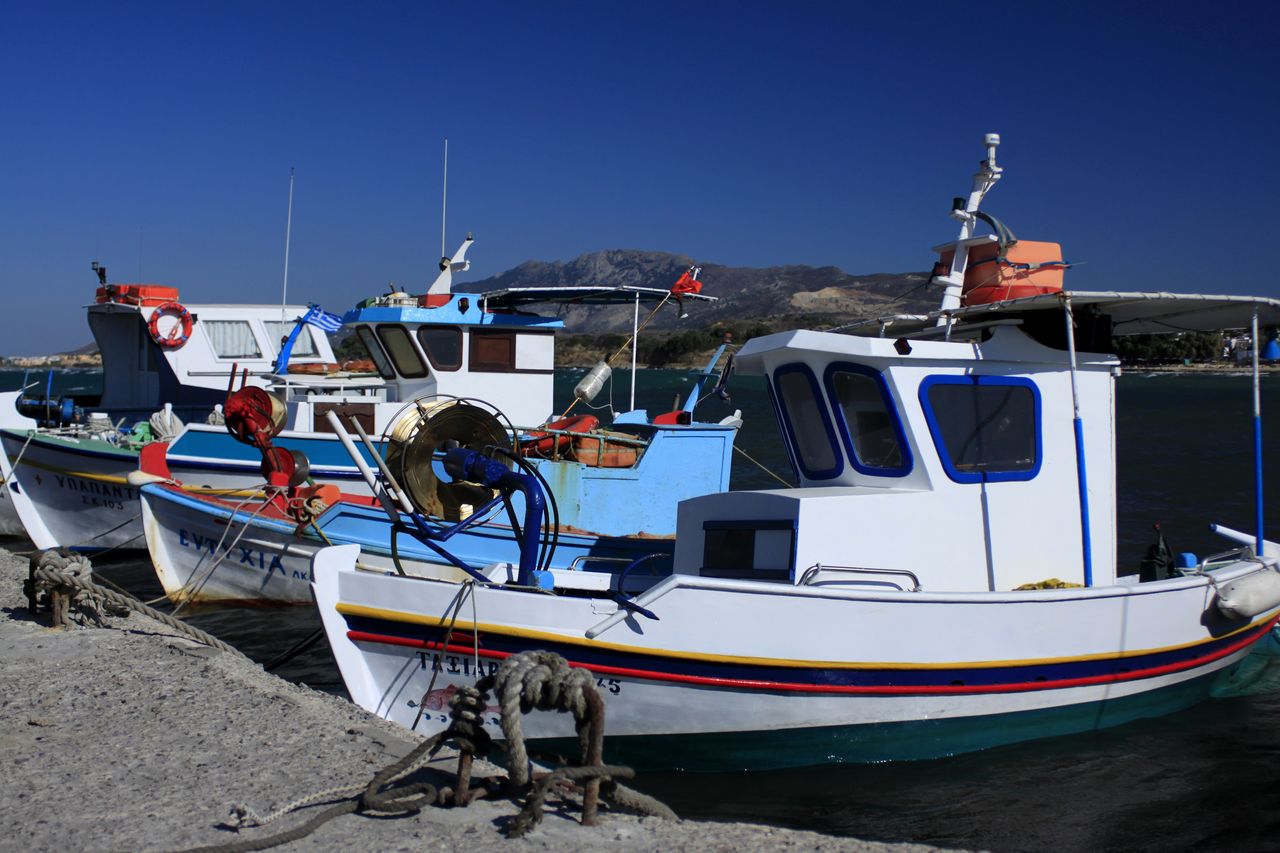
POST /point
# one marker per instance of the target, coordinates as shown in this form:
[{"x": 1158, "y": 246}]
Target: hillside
[{"x": 794, "y": 295}]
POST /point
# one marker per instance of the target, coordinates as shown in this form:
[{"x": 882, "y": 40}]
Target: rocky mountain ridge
[{"x": 806, "y": 295}]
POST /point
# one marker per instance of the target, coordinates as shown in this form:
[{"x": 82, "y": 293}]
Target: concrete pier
[{"x": 135, "y": 738}]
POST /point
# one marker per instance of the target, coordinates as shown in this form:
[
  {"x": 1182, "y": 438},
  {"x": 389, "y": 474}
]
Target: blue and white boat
[
  {"x": 943, "y": 579},
  {"x": 65, "y": 460},
  {"x": 437, "y": 346}
]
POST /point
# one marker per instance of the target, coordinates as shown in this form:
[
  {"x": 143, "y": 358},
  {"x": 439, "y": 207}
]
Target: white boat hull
[{"x": 795, "y": 676}]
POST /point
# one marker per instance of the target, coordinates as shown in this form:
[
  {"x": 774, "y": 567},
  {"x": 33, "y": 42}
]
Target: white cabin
[
  {"x": 947, "y": 465},
  {"x": 138, "y": 372}
]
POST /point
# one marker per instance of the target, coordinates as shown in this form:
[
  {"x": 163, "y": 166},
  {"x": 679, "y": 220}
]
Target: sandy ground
[{"x": 135, "y": 738}]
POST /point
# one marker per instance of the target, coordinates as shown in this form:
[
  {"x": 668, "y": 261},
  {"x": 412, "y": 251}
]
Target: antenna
[
  {"x": 444, "y": 195},
  {"x": 288, "y": 228}
]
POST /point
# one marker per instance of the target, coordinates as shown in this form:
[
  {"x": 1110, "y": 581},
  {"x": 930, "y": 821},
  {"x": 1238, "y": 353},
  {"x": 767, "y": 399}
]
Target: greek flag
[{"x": 321, "y": 319}]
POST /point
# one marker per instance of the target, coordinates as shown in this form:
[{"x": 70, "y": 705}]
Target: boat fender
[
  {"x": 1250, "y": 595},
  {"x": 178, "y": 333}
]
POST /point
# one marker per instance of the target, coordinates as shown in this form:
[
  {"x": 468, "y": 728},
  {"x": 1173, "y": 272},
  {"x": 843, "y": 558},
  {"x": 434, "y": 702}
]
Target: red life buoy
[
  {"x": 176, "y": 336},
  {"x": 544, "y": 445}
]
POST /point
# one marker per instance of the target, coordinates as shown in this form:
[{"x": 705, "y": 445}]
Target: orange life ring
[
  {"x": 181, "y": 331},
  {"x": 543, "y": 445}
]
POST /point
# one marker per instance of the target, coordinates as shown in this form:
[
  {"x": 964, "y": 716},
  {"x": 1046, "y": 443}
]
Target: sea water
[{"x": 1207, "y": 778}]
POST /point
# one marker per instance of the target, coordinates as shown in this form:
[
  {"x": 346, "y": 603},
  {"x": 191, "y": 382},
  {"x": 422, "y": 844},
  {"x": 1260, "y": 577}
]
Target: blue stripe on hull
[{"x": 958, "y": 680}]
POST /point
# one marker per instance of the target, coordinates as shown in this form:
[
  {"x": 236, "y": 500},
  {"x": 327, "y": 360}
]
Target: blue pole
[
  {"x": 1082, "y": 480},
  {"x": 286, "y": 349},
  {"x": 1257, "y": 476},
  {"x": 1257, "y": 439}
]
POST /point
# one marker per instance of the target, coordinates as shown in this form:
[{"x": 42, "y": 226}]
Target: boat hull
[
  {"x": 226, "y": 550},
  {"x": 901, "y": 676}
]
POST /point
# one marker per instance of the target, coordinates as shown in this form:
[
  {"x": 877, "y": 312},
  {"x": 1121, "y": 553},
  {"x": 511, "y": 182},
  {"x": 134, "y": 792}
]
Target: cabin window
[
  {"x": 402, "y": 351},
  {"x": 755, "y": 550},
  {"x": 986, "y": 428},
  {"x": 869, "y": 424},
  {"x": 303, "y": 347},
  {"x": 371, "y": 346},
  {"x": 804, "y": 417},
  {"x": 493, "y": 352},
  {"x": 443, "y": 346},
  {"x": 232, "y": 339}
]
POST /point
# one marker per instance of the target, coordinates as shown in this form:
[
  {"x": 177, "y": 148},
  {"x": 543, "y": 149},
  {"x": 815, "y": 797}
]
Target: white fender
[{"x": 1250, "y": 595}]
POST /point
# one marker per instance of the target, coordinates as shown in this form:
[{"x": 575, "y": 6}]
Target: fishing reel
[{"x": 424, "y": 431}]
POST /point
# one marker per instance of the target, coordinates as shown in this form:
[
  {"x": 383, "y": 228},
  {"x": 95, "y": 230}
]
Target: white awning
[{"x": 1131, "y": 313}]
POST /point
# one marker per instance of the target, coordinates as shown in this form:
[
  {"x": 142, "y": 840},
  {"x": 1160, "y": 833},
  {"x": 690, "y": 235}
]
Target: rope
[
  {"x": 456, "y": 606},
  {"x": 528, "y": 680},
  {"x": 630, "y": 341},
  {"x": 761, "y": 466},
  {"x": 14, "y": 476},
  {"x": 531, "y": 815},
  {"x": 53, "y": 573},
  {"x": 188, "y": 593},
  {"x": 541, "y": 680}
]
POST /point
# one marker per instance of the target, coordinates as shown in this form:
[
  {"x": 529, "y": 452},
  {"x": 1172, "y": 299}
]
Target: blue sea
[{"x": 1205, "y": 779}]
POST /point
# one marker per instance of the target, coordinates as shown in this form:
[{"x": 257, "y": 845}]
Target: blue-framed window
[
  {"x": 804, "y": 417},
  {"x": 869, "y": 423},
  {"x": 986, "y": 428}
]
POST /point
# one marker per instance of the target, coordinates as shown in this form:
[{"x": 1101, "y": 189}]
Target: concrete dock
[{"x": 134, "y": 737}]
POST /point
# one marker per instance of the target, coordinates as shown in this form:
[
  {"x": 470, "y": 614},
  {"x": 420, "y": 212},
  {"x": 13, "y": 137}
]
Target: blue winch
[{"x": 48, "y": 411}]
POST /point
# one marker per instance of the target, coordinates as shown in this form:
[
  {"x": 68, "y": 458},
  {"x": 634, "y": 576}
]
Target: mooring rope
[
  {"x": 53, "y": 573},
  {"x": 527, "y": 680},
  {"x": 761, "y": 466}
]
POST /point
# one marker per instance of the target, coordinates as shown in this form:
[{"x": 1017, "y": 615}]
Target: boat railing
[
  {"x": 1234, "y": 555},
  {"x": 606, "y": 437},
  {"x": 811, "y": 574}
]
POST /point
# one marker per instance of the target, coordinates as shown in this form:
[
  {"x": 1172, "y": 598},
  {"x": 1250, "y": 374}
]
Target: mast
[
  {"x": 962, "y": 209},
  {"x": 444, "y": 195},
  {"x": 288, "y": 229}
]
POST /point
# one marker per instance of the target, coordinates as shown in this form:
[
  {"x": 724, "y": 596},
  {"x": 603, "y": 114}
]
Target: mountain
[{"x": 825, "y": 296}]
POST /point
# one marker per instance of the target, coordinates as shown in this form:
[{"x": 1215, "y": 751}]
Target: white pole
[
  {"x": 288, "y": 230},
  {"x": 635, "y": 344},
  {"x": 444, "y": 195}
]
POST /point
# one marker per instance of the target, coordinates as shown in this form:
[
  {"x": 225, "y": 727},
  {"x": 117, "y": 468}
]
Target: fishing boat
[
  {"x": 65, "y": 459},
  {"x": 614, "y": 487},
  {"x": 71, "y": 485},
  {"x": 943, "y": 579}
]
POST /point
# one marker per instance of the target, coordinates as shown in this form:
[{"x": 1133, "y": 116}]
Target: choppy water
[{"x": 1205, "y": 779}]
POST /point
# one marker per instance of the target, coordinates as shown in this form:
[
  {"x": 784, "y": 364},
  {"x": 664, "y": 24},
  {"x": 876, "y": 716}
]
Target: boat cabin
[
  {"x": 939, "y": 464},
  {"x": 459, "y": 349},
  {"x": 155, "y": 348}
]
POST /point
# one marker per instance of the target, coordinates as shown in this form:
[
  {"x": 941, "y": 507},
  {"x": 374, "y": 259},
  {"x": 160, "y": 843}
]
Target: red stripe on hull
[{"x": 852, "y": 689}]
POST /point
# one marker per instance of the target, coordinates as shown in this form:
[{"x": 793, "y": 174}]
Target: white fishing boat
[
  {"x": 70, "y": 483},
  {"x": 943, "y": 579},
  {"x": 65, "y": 460}
]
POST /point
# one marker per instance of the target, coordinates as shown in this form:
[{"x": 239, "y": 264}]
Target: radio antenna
[{"x": 444, "y": 195}]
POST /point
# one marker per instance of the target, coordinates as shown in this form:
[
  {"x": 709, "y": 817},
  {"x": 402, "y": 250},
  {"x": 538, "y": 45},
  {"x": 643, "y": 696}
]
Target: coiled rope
[
  {"x": 525, "y": 681},
  {"x": 62, "y": 581}
]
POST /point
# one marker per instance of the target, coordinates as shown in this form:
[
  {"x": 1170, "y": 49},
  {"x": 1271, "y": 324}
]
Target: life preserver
[
  {"x": 177, "y": 336},
  {"x": 544, "y": 445}
]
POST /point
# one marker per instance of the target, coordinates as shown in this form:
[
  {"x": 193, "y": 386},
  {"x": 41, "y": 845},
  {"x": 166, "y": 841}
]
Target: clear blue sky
[{"x": 158, "y": 138}]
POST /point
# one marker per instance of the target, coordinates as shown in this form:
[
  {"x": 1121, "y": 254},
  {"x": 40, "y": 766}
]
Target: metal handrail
[
  {"x": 816, "y": 569},
  {"x": 1244, "y": 552},
  {"x": 606, "y": 437}
]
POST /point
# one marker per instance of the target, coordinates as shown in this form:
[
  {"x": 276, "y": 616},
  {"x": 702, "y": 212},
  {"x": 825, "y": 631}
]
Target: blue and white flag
[{"x": 321, "y": 319}]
